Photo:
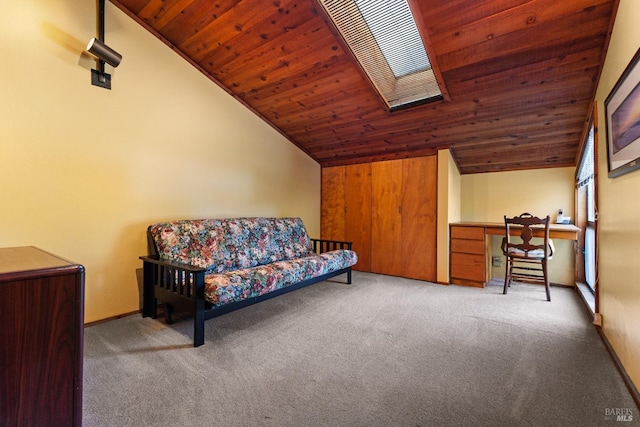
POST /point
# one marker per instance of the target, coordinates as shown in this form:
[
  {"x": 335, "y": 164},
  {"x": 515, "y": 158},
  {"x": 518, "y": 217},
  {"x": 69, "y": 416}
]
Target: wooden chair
[{"x": 526, "y": 260}]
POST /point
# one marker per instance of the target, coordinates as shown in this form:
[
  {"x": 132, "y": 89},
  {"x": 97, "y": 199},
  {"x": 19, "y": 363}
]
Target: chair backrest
[{"x": 524, "y": 226}]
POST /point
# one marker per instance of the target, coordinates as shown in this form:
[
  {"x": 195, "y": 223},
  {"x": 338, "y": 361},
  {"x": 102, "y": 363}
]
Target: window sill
[{"x": 589, "y": 301}]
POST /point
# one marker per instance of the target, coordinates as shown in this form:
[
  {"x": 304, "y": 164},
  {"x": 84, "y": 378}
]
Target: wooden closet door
[
  {"x": 358, "y": 212},
  {"x": 332, "y": 204},
  {"x": 386, "y": 226},
  {"x": 419, "y": 215}
]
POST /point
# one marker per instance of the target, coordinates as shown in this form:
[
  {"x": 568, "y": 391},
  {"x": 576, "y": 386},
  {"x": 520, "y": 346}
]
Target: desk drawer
[
  {"x": 468, "y": 246},
  {"x": 470, "y": 233},
  {"x": 468, "y": 266},
  {"x": 467, "y": 255}
]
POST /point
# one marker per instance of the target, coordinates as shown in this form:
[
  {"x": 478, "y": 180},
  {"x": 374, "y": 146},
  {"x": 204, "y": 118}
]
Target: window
[
  {"x": 586, "y": 186},
  {"x": 383, "y": 36}
]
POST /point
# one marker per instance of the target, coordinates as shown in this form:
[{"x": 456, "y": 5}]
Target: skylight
[{"x": 384, "y": 38}]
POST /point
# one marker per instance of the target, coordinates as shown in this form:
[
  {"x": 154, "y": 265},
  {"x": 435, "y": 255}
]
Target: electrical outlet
[{"x": 496, "y": 261}]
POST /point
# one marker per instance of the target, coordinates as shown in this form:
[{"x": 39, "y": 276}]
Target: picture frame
[{"x": 622, "y": 108}]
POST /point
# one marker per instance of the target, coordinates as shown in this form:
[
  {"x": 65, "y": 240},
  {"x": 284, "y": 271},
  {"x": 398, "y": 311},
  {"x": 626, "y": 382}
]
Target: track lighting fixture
[{"x": 103, "y": 53}]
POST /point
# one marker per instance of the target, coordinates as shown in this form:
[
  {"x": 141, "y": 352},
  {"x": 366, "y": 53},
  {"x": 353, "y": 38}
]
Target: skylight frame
[{"x": 397, "y": 89}]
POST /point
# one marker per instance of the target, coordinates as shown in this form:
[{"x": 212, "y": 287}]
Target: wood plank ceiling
[{"x": 519, "y": 76}]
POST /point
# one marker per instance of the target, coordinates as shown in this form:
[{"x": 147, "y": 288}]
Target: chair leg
[
  {"x": 546, "y": 279},
  {"x": 507, "y": 277}
]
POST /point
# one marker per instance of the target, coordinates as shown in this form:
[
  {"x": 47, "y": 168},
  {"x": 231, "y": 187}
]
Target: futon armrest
[
  {"x": 324, "y": 245},
  {"x": 179, "y": 284},
  {"x": 177, "y": 265}
]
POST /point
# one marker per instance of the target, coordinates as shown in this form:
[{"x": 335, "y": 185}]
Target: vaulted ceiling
[{"x": 518, "y": 76}]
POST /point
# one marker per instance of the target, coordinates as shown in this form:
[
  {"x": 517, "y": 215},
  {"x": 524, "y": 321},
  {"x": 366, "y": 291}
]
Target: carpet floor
[{"x": 384, "y": 351}]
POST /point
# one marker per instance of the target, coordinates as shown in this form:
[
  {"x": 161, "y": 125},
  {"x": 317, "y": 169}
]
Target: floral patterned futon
[{"x": 246, "y": 257}]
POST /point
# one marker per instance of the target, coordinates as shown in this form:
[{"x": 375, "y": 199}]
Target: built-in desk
[{"x": 469, "y": 259}]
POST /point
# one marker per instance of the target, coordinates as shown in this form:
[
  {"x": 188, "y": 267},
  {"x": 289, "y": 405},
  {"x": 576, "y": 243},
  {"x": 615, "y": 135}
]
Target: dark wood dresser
[{"x": 41, "y": 338}]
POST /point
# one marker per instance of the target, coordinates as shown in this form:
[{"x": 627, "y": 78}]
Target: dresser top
[{"x": 27, "y": 258}]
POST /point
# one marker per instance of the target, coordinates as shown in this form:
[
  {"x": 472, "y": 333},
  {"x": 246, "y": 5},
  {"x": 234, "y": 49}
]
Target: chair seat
[{"x": 536, "y": 254}]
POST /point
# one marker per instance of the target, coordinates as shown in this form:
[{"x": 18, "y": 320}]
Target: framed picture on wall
[{"x": 623, "y": 121}]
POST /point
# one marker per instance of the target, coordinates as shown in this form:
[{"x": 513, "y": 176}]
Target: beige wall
[
  {"x": 619, "y": 207},
  {"x": 448, "y": 209},
  {"x": 85, "y": 170},
  {"x": 541, "y": 192}
]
